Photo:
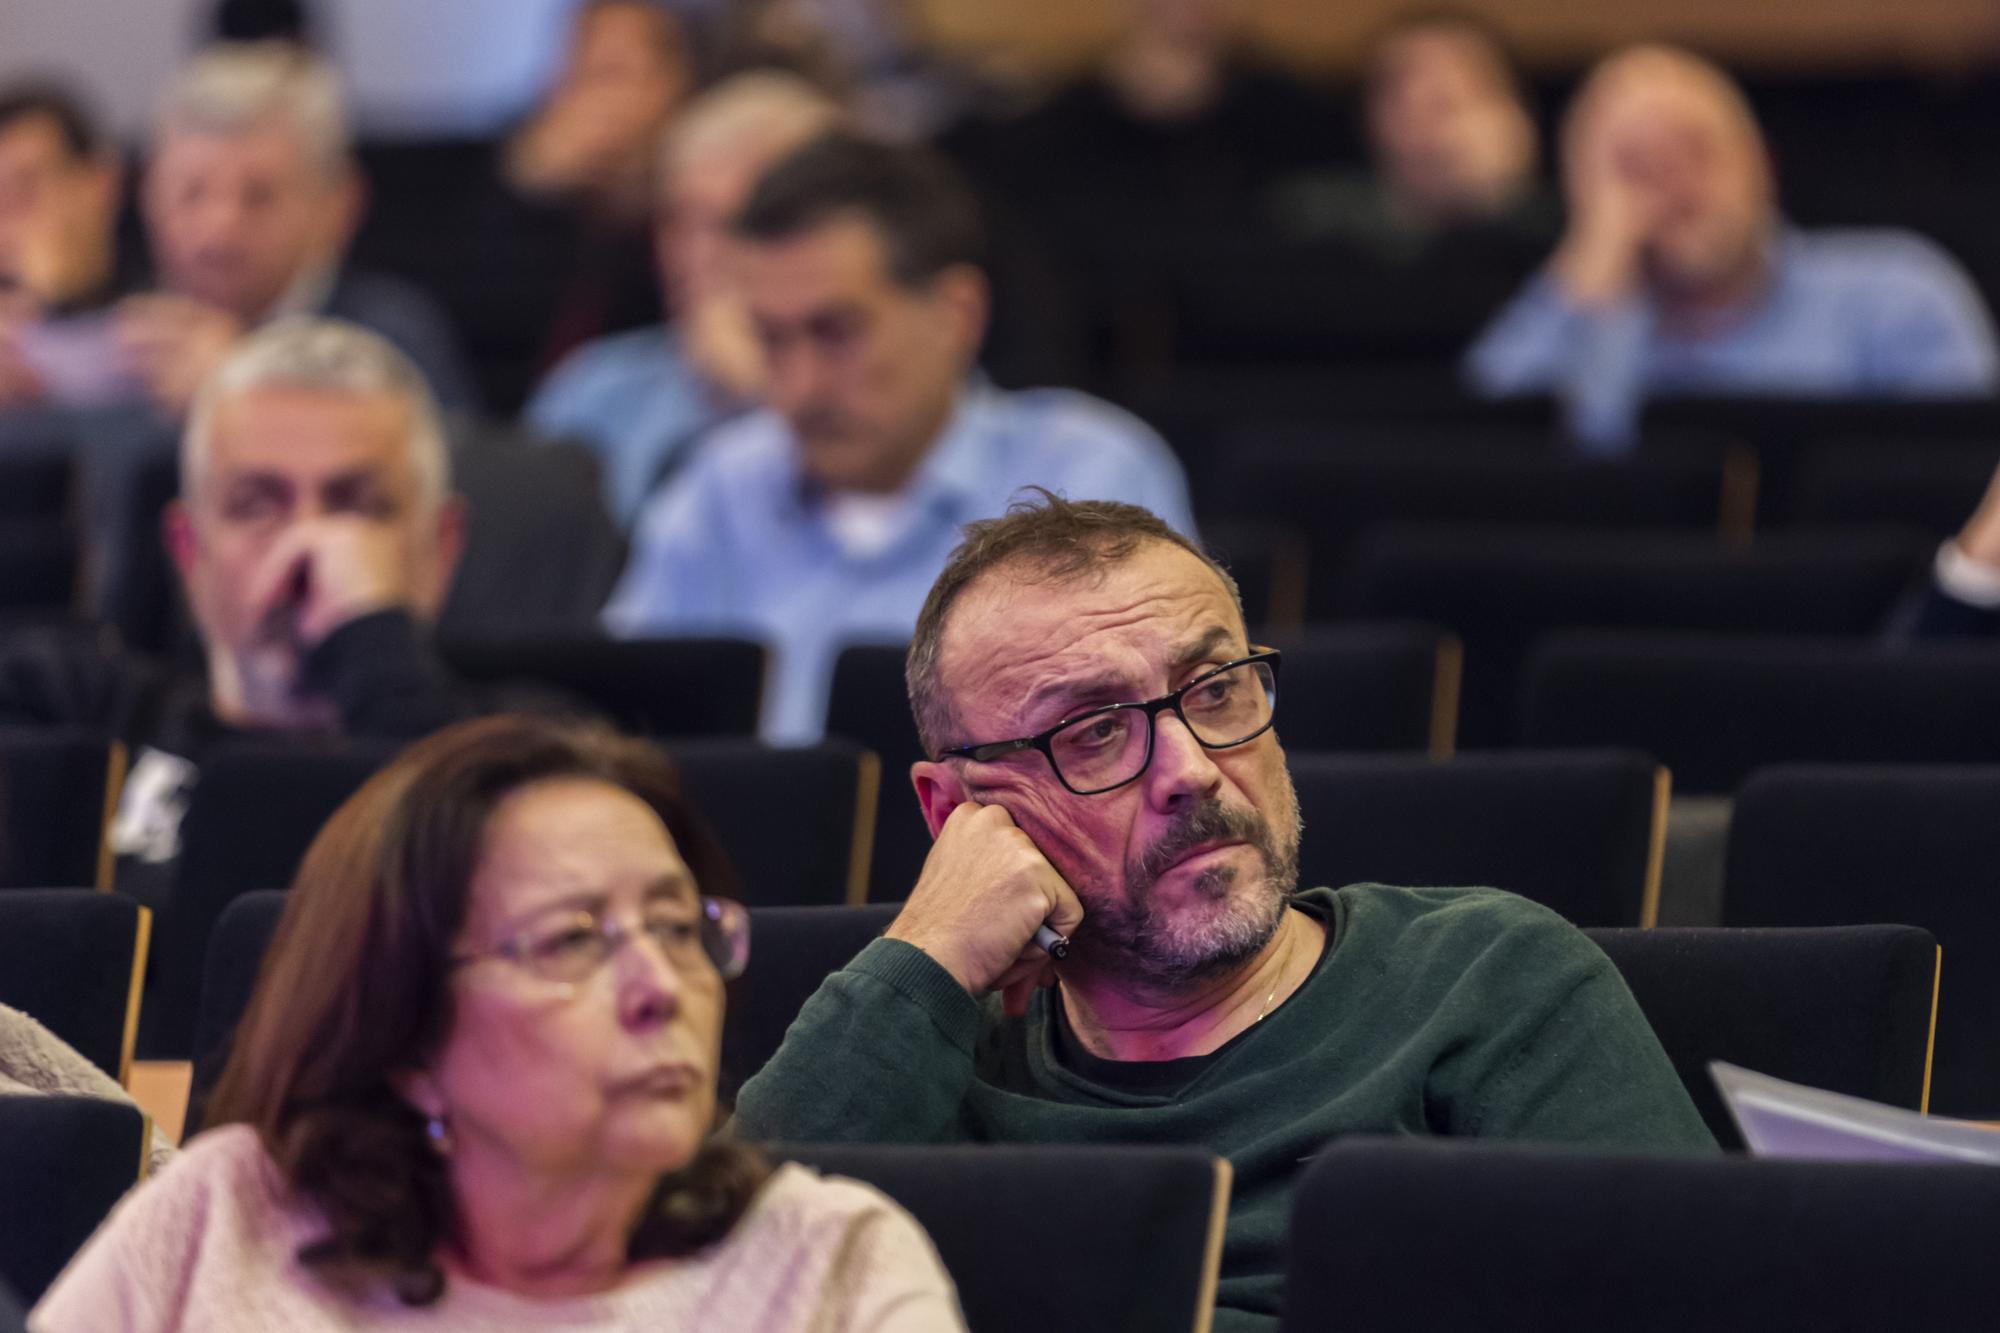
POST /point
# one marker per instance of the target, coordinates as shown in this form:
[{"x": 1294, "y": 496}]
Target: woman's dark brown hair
[{"x": 355, "y": 988}]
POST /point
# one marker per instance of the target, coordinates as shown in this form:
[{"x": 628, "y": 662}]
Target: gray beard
[{"x": 1133, "y": 940}]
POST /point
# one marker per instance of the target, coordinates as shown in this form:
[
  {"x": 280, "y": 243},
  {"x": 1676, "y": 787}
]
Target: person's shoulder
[
  {"x": 806, "y": 1207},
  {"x": 1071, "y": 416},
  {"x": 1464, "y": 922},
  {"x": 228, "y": 1160},
  {"x": 642, "y": 353},
  {"x": 753, "y": 451},
  {"x": 1873, "y": 256}
]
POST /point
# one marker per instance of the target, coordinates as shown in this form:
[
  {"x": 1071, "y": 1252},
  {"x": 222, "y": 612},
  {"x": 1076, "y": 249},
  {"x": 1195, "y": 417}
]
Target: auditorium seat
[
  {"x": 1714, "y": 708},
  {"x": 824, "y": 796},
  {"x": 1393, "y": 1235},
  {"x": 792, "y": 950},
  {"x": 36, "y": 485},
  {"x": 73, "y": 960},
  {"x": 1368, "y": 687},
  {"x": 1581, "y": 833},
  {"x": 250, "y": 820},
  {"x": 1337, "y": 482},
  {"x": 1932, "y": 488},
  {"x": 1501, "y": 589},
  {"x": 1834, "y": 844},
  {"x": 542, "y": 552},
  {"x": 1845, "y": 1008},
  {"x": 1788, "y": 433},
  {"x": 58, "y": 790},
  {"x": 1060, "y": 1236},
  {"x": 656, "y": 687},
  {"x": 64, "y": 1161},
  {"x": 235, "y": 954},
  {"x": 38, "y": 565},
  {"x": 257, "y": 809}
]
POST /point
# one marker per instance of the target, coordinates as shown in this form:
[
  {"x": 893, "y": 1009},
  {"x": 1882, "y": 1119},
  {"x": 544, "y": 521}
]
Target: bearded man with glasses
[{"x": 1107, "y": 766}]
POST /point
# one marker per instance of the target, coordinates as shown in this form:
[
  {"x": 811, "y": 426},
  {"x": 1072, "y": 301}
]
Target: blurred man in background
[
  {"x": 822, "y": 520},
  {"x": 316, "y": 537},
  {"x": 250, "y": 199},
  {"x": 1678, "y": 275},
  {"x": 638, "y": 398}
]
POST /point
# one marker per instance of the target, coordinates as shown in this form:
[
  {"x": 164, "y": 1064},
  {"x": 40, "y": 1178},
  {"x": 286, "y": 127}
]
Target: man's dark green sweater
[{"x": 1432, "y": 1011}]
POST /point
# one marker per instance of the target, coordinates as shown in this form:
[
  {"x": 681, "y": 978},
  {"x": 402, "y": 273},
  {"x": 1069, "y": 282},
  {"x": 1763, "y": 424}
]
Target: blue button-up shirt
[
  {"x": 1846, "y": 313},
  {"x": 637, "y": 401},
  {"x": 739, "y": 544}
]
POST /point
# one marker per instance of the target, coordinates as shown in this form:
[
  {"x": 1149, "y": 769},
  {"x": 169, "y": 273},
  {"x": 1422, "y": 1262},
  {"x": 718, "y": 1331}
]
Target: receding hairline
[{"x": 1054, "y": 574}]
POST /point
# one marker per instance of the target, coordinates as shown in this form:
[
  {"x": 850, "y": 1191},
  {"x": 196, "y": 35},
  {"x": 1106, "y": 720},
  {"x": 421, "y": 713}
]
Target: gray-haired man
[
  {"x": 251, "y": 196},
  {"x": 315, "y": 537}
]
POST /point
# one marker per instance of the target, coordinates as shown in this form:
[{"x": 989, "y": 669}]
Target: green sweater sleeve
[{"x": 882, "y": 1053}]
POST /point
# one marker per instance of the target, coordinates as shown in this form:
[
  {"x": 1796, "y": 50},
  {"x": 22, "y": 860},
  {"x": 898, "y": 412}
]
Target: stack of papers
[{"x": 1780, "y": 1119}]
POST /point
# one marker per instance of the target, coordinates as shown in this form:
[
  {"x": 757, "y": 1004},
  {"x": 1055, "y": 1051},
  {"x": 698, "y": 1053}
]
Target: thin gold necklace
[{"x": 1283, "y": 968}]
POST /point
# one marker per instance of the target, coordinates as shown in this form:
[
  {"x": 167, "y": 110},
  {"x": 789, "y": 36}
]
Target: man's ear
[
  {"x": 178, "y": 536},
  {"x": 452, "y": 517},
  {"x": 939, "y": 791},
  {"x": 962, "y": 292}
]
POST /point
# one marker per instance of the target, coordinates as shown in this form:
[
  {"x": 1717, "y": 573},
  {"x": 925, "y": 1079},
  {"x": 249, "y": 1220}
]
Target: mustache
[{"x": 1205, "y": 822}]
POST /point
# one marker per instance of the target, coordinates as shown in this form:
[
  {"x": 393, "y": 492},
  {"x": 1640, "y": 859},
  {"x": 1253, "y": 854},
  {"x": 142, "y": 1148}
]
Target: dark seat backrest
[
  {"x": 72, "y": 959},
  {"x": 1058, "y": 1237},
  {"x": 792, "y": 950},
  {"x": 54, "y": 806},
  {"x": 1560, "y": 1240},
  {"x": 1369, "y": 687},
  {"x": 1578, "y": 832},
  {"x": 253, "y": 814},
  {"x": 64, "y": 1161},
  {"x": 1336, "y": 482},
  {"x": 1502, "y": 589},
  {"x": 1847, "y": 1008},
  {"x": 825, "y": 795},
  {"x": 1833, "y": 845},
  {"x": 655, "y": 687},
  {"x": 1715, "y": 709},
  {"x": 541, "y": 551}
]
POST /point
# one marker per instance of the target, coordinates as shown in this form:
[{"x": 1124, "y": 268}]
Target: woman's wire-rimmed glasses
[{"x": 567, "y": 946}]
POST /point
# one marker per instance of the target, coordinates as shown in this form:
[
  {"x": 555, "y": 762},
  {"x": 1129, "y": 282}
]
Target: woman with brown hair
[{"x": 476, "y": 1086}]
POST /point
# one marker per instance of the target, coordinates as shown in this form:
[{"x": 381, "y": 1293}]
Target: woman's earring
[{"x": 439, "y": 1133}]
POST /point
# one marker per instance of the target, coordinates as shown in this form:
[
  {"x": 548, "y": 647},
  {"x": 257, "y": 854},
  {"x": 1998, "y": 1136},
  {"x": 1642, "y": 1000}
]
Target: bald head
[{"x": 1676, "y": 130}]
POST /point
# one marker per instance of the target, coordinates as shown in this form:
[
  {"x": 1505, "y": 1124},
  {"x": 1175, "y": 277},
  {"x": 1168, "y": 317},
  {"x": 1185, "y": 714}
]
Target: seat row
[{"x": 1139, "y": 1229}]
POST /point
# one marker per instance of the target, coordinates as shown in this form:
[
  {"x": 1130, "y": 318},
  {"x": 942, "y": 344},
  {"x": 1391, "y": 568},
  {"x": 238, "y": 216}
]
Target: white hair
[
  {"x": 237, "y": 87},
  {"x": 331, "y": 356},
  {"x": 762, "y": 111}
]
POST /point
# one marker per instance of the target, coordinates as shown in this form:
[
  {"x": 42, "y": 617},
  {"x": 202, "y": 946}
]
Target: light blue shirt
[
  {"x": 636, "y": 400},
  {"x": 738, "y": 544},
  {"x": 1882, "y": 313}
]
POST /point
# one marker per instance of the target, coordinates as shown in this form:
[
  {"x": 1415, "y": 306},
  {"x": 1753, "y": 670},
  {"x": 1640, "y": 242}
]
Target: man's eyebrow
[
  {"x": 1105, "y": 686},
  {"x": 1213, "y": 638}
]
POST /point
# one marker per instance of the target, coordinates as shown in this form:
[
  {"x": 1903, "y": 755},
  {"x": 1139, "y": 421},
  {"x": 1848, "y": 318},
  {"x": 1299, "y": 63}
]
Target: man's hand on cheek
[{"x": 985, "y": 889}]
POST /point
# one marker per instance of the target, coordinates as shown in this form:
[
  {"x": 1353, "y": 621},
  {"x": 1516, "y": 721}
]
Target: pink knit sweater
[{"x": 209, "y": 1244}]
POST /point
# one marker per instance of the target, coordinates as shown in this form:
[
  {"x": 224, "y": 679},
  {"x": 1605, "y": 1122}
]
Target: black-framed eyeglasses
[
  {"x": 567, "y": 946},
  {"x": 1107, "y": 747}
]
